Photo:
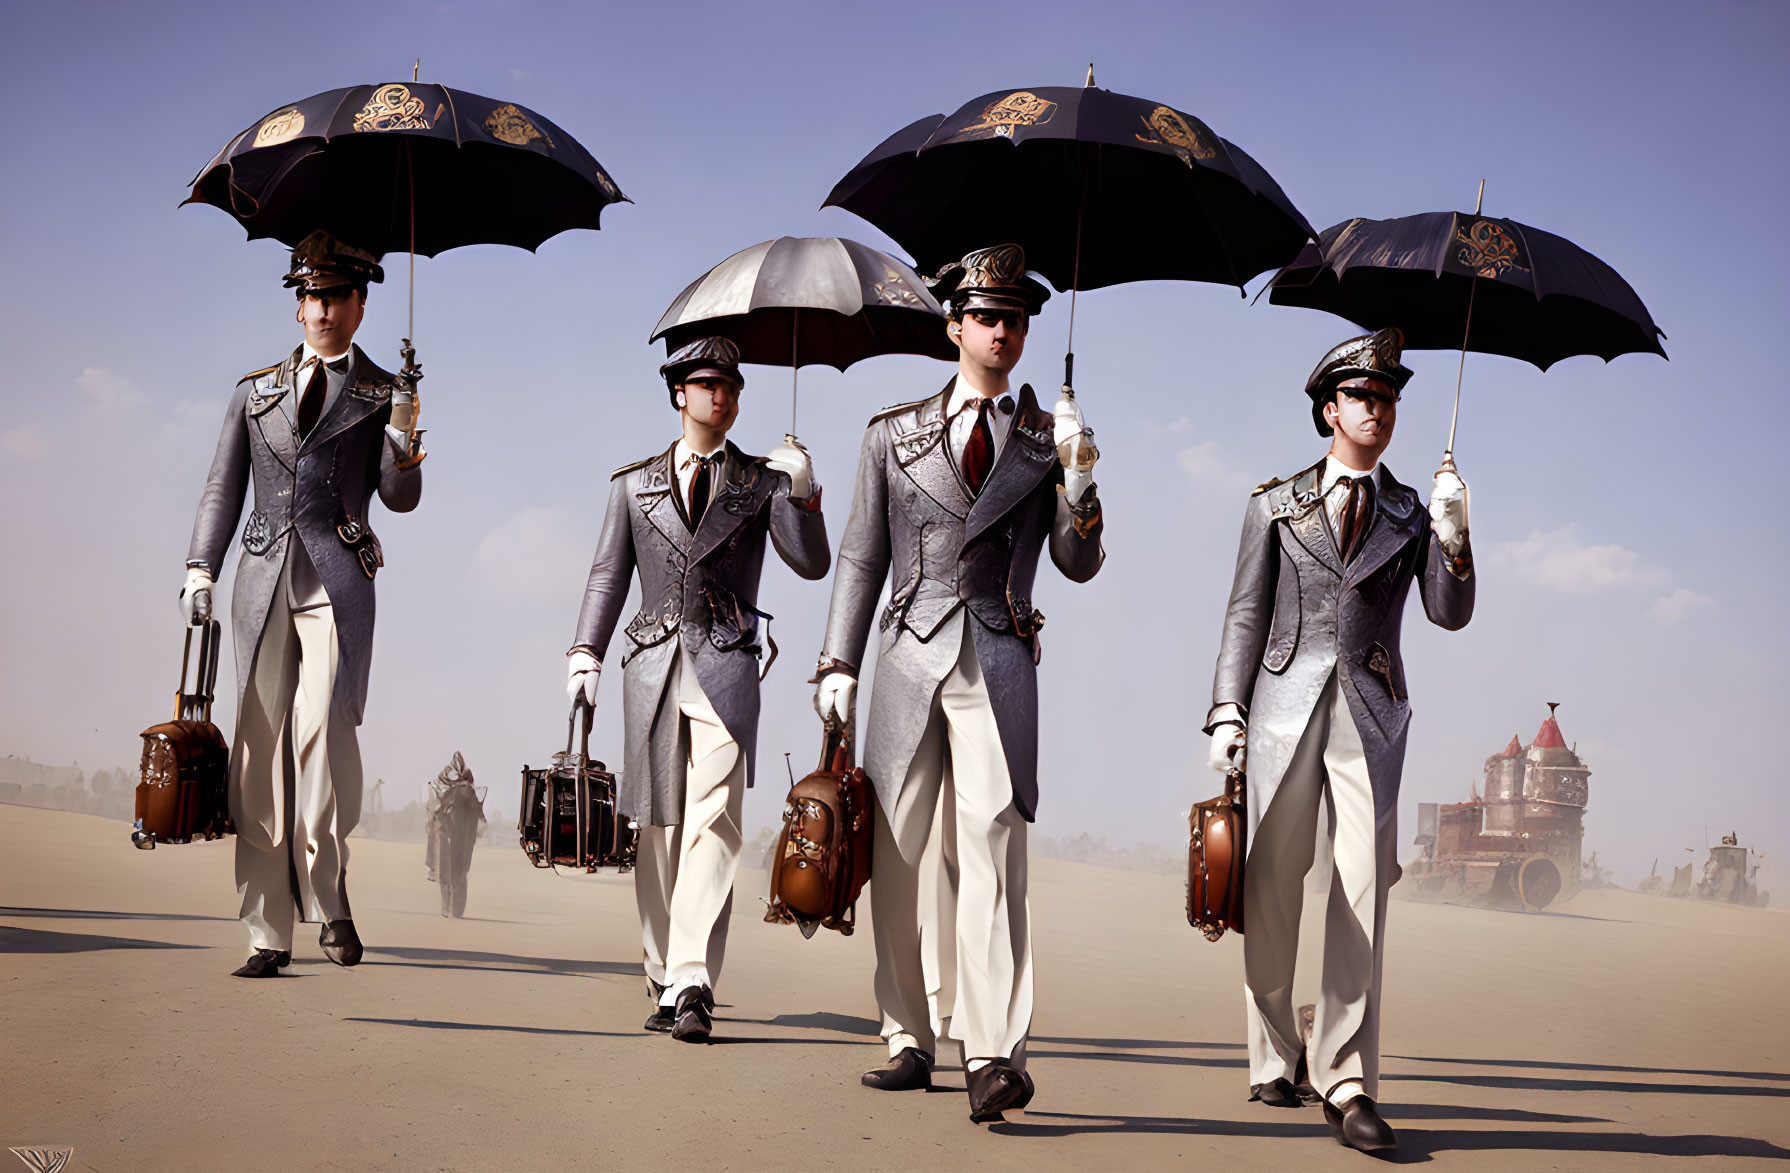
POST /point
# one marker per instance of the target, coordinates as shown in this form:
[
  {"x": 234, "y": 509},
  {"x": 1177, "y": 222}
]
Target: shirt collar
[
  {"x": 1335, "y": 470},
  {"x": 683, "y": 455},
  {"x": 308, "y": 354},
  {"x": 962, "y": 395}
]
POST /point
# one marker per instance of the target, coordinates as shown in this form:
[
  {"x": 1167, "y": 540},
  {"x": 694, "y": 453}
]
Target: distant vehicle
[
  {"x": 1517, "y": 846},
  {"x": 1731, "y": 875}
]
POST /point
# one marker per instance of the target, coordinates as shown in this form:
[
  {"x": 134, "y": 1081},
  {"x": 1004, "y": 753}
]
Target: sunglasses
[{"x": 1012, "y": 319}]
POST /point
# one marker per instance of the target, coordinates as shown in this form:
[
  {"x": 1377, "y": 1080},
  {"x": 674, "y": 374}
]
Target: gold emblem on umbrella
[
  {"x": 1021, "y": 108},
  {"x": 1168, "y": 128},
  {"x": 392, "y": 107},
  {"x": 1488, "y": 250},
  {"x": 282, "y": 126},
  {"x": 509, "y": 124}
]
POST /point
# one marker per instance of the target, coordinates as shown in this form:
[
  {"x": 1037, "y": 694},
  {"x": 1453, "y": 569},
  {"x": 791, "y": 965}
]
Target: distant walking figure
[{"x": 456, "y": 808}]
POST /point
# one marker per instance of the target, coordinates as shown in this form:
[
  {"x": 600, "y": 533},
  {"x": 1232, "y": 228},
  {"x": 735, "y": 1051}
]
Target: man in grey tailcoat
[
  {"x": 315, "y": 434},
  {"x": 1310, "y": 682},
  {"x": 692, "y": 521},
  {"x": 957, "y": 495}
]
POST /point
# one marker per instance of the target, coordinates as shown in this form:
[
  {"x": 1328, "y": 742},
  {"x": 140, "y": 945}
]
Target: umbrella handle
[{"x": 1069, "y": 375}]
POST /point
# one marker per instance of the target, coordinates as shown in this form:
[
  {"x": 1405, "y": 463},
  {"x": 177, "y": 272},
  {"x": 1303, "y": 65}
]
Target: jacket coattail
[
  {"x": 699, "y": 590},
  {"x": 303, "y": 491},
  {"x": 1297, "y": 614},
  {"x": 946, "y": 551}
]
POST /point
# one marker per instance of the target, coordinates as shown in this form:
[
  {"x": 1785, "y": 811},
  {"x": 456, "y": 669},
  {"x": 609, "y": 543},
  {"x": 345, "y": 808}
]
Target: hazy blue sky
[{"x": 1628, "y": 518}]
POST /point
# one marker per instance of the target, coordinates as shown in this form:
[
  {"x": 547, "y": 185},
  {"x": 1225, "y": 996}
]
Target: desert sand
[{"x": 1614, "y": 1031}]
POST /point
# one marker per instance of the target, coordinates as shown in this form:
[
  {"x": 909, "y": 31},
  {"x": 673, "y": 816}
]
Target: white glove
[
  {"x": 834, "y": 695},
  {"x": 582, "y": 670},
  {"x": 1075, "y": 448},
  {"x": 195, "y": 596},
  {"x": 1448, "y": 509},
  {"x": 791, "y": 459},
  {"x": 1226, "y": 739}
]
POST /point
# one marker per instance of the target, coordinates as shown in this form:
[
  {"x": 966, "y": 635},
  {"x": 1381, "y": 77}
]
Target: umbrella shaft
[{"x": 1466, "y": 333}]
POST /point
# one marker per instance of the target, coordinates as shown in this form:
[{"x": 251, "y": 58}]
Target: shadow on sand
[
  {"x": 96, "y": 914},
  {"x": 1414, "y": 1144},
  {"x": 421, "y": 958},
  {"x": 720, "y": 1037},
  {"x": 1552, "y": 1065},
  {"x": 13, "y": 940}
]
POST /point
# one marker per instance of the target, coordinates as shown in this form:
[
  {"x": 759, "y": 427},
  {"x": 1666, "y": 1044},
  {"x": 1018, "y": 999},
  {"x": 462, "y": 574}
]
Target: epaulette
[
  {"x": 259, "y": 373},
  {"x": 628, "y": 468},
  {"x": 1266, "y": 485},
  {"x": 886, "y": 412}
]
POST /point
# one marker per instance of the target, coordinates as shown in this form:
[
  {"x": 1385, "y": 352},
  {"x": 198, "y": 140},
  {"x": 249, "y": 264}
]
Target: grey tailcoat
[
  {"x": 700, "y": 589},
  {"x": 1297, "y": 614},
  {"x": 952, "y": 551},
  {"x": 303, "y": 492}
]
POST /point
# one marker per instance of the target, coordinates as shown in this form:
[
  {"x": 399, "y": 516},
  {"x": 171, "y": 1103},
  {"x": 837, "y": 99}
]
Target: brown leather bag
[
  {"x": 822, "y": 858},
  {"x": 1218, "y": 831},
  {"x": 184, "y": 794}
]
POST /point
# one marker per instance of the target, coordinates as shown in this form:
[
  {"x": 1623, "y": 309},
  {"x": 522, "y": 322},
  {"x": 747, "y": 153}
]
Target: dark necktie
[
  {"x": 310, "y": 404},
  {"x": 701, "y": 485},
  {"x": 1357, "y": 513},
  {"x": 978, "y": 450}
]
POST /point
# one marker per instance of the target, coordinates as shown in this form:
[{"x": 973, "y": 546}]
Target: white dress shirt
[
  {"x": 1335, "y": 497},
  {"x": 683, "y": 468},
  {"x": 960, "y": 412}
]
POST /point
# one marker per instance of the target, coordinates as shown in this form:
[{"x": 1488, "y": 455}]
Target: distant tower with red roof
[{"x": 1523, "y": 833}]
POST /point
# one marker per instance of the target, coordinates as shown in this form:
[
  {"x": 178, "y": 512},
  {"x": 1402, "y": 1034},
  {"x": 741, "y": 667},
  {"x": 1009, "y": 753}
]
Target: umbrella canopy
[
  {"x": 1098, "y": 188},
  {"x": 798, "y": 301},
  {"x": 356, "y": 162},
  {"x": 1533, "y": 295}
]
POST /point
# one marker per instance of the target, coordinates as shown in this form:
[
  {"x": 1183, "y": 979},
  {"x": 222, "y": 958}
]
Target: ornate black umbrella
[
  {"x": 1450, "y": 279},
  {"x": 1098, "y": 188},
  {"x": 798, "y": 301},
  {"x": 406, "y": 166}
]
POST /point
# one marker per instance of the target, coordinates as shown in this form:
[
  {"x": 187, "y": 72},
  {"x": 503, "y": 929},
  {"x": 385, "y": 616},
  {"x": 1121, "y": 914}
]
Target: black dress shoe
[
  {"x": 1279, "y": 1093},
  {"x": 1357, "y": 1125},
  {"x": 909, "y": 1071},
  {"x": 692, "y": 1020},
  {"x": 995, "y": 1088},
  {"x": 661, "y": 1021},
  {"x": 264, "y": 963},
  {"x": 341, "y": 944}
]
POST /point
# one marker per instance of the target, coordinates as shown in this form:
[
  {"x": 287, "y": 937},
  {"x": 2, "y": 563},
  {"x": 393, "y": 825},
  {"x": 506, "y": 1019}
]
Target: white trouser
[
  {"x": 1330, "y": 766},
  {"x": 952, "y": 927},
  {"x": 295, "y": 778},
  {"x": 683, "y": 878}
]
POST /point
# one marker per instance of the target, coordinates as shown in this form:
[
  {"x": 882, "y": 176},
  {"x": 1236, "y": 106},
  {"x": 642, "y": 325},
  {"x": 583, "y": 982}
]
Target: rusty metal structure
[
  {"x": 1516, "y": 842},
  {"x": 1731, "y": 875}
]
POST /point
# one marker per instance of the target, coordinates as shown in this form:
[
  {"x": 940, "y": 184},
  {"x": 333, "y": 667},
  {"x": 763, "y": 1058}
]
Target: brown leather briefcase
[
  {"x": 822, "y": 858},
  {"x": 184, "y": 794},
  {"x": 1218, "y": 831}
]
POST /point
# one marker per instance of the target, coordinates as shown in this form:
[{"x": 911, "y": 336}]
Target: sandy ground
[{"x": 1615, "y": 1032}]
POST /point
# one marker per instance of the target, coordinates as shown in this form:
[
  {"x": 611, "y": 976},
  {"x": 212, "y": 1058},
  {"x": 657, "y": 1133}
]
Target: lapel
[
  {"x": 925, "y": 457},
  {"x": 1394, "y": 524},
  {"x": 367, "y": 390},
  {"x": 746, "y": 486},
  {"x": 1027, "y": 456},
  {"x": 655, "y": 495},
  {"x": 1307, "y": 520},
  {"x": 276, "y": 426}
]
